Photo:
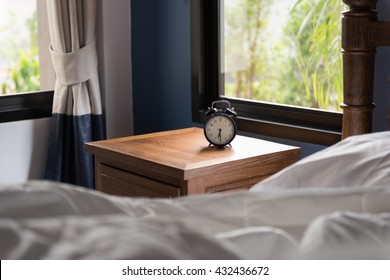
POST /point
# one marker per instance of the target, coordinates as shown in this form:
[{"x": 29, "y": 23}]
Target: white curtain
[{"x": 77, "y": 110}]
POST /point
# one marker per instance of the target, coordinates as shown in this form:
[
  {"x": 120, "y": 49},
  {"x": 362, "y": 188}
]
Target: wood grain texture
[
  {"x": 182, "y": 159},
  {"x": 358, "y": 68},
  {"x": 379, "y": 33},
  {"x": 116, "y": 181},
  {"x": 362, "y": 33},
  {"x": 358, "y": 4}
]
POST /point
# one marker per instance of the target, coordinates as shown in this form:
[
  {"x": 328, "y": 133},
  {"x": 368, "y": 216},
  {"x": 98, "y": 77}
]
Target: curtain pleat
[{"x": 77, "y": 110}]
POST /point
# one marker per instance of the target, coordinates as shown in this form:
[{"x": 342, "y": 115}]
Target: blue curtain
[
  {"x": 67, "y": 161},
  {"x": 77, "y": 110}
]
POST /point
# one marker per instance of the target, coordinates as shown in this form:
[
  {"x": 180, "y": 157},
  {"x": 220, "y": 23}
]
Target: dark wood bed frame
[{"x": 362, "y": 33}]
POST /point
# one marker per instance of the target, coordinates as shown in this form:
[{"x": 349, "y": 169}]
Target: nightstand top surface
[{"x": 187, "y": 149}]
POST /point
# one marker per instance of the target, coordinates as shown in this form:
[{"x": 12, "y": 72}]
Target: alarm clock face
[{"x": 220, "y": 130}]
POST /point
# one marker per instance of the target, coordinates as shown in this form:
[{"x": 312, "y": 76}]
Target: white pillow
[{"x": 362, "y": 160}]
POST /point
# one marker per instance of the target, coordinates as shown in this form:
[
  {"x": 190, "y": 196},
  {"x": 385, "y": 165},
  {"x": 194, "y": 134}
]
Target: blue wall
[
  {"x": 161, "y": 65},
  {"x": 381, "y": 83}
]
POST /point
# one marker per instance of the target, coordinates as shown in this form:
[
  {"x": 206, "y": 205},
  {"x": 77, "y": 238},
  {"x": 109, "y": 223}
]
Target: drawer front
[
  {"x": 117, "y": 182},
  {"x": 241, "y": 185}
]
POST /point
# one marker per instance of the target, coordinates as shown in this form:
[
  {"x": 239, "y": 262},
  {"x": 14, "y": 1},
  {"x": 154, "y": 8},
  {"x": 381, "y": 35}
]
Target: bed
[
  {"x": 334, "y": 204},
  {"x": 300, "y": 212}
]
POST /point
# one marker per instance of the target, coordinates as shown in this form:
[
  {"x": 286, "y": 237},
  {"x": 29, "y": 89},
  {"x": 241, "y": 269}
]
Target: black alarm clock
[{"x": 220, "y": 127}]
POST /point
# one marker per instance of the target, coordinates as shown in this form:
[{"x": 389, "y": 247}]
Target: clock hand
[{"x": 219, "y": 134}]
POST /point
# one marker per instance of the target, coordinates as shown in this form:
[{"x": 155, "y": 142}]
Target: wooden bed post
[{"x": 358, "y": 67}]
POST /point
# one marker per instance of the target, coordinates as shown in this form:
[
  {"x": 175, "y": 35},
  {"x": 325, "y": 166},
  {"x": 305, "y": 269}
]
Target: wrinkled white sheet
[
  {"x": 44, "y": 220},
  {"x": 360, "y": 235}
]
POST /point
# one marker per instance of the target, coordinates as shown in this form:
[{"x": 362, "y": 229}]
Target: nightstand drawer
[{"x": 117, "y": 182}]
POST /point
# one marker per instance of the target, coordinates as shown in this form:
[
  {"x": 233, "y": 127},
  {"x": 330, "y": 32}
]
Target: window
[
  {"x": 26, "y": 77},
  {"x": 19, "y": 58},
  {"x": 235, "y": 58}
]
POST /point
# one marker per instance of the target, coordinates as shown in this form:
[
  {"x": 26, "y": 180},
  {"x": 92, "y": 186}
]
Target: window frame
[
  {"x": 275, "y": 120},
  {"x": 37, "y": 104},
  {"x": 25, "y": 106}
]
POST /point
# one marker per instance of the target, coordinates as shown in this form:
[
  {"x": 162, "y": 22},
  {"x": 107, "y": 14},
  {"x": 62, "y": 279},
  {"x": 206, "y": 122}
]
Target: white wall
[
  {"x": 23, "y": 147},
  {"x": 114, "y": 50}
]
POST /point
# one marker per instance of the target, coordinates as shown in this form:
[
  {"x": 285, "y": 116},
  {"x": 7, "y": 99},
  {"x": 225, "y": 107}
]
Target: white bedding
[
  {"x": 362, "y": 160},
  {"x": 295, "y": 214},
  {"x": 44, "y": 220}
]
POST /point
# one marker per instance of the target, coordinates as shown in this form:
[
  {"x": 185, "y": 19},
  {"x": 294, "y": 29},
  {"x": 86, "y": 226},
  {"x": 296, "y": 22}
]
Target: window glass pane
[
  {"x": 19, "y": 61},
  {"x": 283, "y": 51}
]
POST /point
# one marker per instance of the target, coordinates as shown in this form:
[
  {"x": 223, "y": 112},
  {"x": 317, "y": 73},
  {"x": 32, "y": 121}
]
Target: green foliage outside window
[
  {"x": 24, "y": 74},
  {"x": 298, "y": 64}
]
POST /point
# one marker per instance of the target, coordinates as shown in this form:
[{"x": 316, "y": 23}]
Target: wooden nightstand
[{"x": 179, "y": 162}]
